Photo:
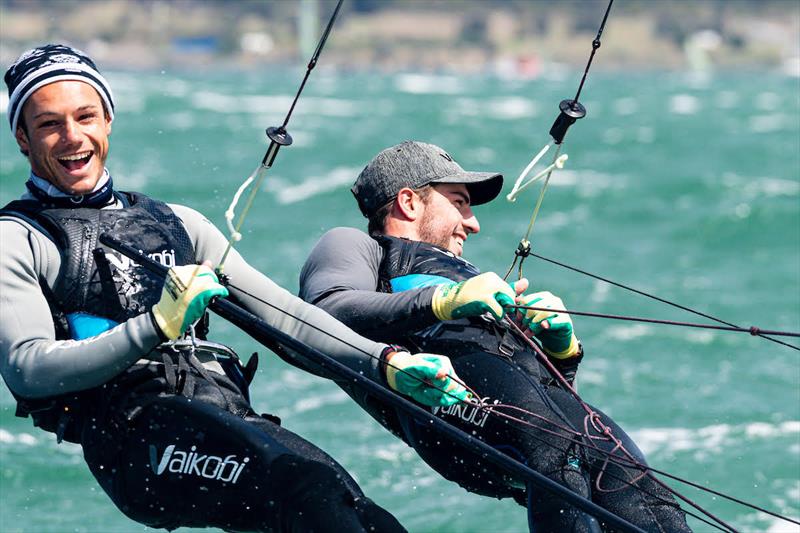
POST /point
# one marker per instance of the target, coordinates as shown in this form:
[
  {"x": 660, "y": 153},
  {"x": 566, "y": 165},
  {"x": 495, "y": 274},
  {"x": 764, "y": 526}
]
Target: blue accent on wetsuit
[
  {"x": 85, "y": 325},
  {"x": 417, "y": 281}
]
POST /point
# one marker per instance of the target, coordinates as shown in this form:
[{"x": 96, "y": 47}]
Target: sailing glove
[
  {"x": 554, "y": 330},
  {"x": 484, "y": 293},
  {"x": 427, "y": 378},
  {"x": 187, "y": 292}
]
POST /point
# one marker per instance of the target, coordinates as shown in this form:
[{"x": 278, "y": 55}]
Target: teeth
[{"x": 75, "y": 157}]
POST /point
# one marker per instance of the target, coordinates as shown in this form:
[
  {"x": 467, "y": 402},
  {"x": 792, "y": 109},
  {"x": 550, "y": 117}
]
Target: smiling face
[
  {"x": 447, "y": 218},
  {"x": 67, "y": 135}
]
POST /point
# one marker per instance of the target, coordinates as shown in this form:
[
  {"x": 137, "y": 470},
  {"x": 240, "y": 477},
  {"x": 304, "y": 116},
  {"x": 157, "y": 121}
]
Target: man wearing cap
[
  {"x": 93, "y": 346},
  {"x": 405, "y": 282}
]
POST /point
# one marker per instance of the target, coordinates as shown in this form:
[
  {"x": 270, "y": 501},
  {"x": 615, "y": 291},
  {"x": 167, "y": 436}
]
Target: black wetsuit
[
  {"x": 167, "y": 429},
  {"x": 382, "y": 288}
]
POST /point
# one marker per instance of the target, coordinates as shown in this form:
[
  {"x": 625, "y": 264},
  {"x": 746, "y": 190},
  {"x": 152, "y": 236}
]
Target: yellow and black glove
[
  {"x": 187, "y": 292},
  {"x": 427, "y": 378},
  {"x": 485, "y": 293}
]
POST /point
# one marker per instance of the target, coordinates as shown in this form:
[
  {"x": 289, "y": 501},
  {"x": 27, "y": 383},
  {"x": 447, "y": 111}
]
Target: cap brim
[{"x": 483, "y": 187}]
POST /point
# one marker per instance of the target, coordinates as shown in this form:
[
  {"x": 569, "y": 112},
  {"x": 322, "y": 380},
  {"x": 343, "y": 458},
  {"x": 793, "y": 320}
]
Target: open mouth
[{"x": 75, "y": 161}]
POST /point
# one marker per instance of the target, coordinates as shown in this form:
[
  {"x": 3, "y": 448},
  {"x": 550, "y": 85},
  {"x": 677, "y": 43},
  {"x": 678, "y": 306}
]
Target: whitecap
[
  {"x": 6, "y": 437},
  {"x": 338, "y": 177},
  {"x": 613, "y": 136},
  {"x": 766, "y": 123},
  {"x": 767, "y": 101},
  {"x": 3, "y": 102},
  {"x": 626, "y": 106},
  {"x": 510, "y": 108},
  {"x": 700, "y": 337},
  {"x": 627, "y": 333},
  {"x": 183, "y": 120},
  {"x": 684, "y": 104},
  {"x": 312, "y": 403},
  {"x": 710, "y": 439},
  {"x": 428, "y": 84}
]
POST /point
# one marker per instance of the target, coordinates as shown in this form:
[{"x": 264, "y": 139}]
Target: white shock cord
[
  {"x": 519, "y": 186},
  {"x": 235, "y": 235}
]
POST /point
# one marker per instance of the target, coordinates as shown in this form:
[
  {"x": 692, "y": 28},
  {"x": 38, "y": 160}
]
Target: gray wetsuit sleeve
[
  {"x": 32, "y": 362},
  {"x": 281, "y": 309},
  {"x": 341, "y": 276}
]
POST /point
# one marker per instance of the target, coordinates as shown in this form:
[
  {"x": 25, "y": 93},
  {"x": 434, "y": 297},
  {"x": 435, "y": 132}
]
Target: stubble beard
[{"x": 433, "y": 233}]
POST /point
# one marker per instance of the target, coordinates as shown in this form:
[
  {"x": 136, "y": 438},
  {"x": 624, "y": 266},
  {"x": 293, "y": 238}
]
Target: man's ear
[
  {"x": 109, "y": 120},
  {"x": 407, "y": 205},
  {"x": 22, "y": 141}
]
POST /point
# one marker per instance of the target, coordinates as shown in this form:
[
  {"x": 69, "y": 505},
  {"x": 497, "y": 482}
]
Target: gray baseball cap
[{"x": 414, "y": 164}]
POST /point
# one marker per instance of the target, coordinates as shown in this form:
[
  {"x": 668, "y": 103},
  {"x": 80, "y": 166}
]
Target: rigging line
[
  {"x": 268, "y": 335},
  {"x": 616, "y": 458},
  {"x": 595, "y": 45},
  {"x": 313, "y": 62},
  {"x": 278, "y": 137},
  {"x": 599, "y": 424},
  {"x": 569, "y": 112},
  {"x": 662, "y": 300},
  {"x": 491, "y": 410},
  {"x": 752, "y": 330}
]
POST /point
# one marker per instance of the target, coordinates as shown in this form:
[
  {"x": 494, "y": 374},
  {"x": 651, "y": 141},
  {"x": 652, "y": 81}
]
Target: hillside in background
[{"x": 512, "y": 36}]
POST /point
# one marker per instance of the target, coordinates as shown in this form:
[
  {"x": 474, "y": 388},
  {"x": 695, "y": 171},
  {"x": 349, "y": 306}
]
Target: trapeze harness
[
  {"x": 411, "y": 265},
  {"x": 97, "y": 289}
]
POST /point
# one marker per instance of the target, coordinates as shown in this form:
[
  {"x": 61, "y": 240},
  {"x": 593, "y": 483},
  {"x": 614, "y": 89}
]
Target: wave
[
  {"x": 335, "y": 179},
  {"x": 710, "y": 438}
]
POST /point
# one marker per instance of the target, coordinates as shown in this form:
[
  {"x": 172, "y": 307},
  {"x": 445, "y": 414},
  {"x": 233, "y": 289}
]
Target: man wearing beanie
[
  {"x": 407, "y": 283},
  {"x": 93, "y": 346}
]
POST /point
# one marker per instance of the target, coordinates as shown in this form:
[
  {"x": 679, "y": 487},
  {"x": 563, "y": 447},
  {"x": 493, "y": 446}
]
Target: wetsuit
[
  {"x": 166, "y": 428},
  {"x": 382, "y": 288}
]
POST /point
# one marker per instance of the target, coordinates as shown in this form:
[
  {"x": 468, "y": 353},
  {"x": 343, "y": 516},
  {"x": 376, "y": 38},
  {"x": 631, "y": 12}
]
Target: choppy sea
[{"x": 685, "y": 187}]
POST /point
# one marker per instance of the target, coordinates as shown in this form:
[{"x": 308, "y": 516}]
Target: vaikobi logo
[{"x": 192, "y": 463}]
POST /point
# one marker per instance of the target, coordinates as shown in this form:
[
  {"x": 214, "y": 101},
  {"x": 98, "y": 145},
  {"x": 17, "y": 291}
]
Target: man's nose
[
  {"x": 470, "y": 222},
  {"x": 71, "y": 132}
]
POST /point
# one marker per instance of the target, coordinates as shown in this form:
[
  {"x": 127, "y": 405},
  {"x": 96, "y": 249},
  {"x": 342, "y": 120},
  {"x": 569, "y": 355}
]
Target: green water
[{"x": 688, "y": 190}]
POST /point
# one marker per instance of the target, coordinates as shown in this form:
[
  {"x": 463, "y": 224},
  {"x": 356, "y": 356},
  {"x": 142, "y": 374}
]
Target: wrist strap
[{"x": 392, "y": 348}]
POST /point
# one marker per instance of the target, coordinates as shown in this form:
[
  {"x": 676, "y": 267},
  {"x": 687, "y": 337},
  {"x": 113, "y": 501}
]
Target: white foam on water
[
  {"x": 700, "y": 337},
  {"x": 767, "y": 101},
  {"x": 625, "y": 106},
  {"x": 183, "y": 120},
  {"x": 771, "y": 187},
  {"x": 684, "y": 104},
  {"x": 3, "y": 102},
  {"x": 272, "y": 104},
  {"x": 613, "y": 136},
  {"x": 627, "y": 333},
  {"x": 428, "y": 84},
  {"x": 600, "y": 291},
  {"x": 709, "y": 439},
  {"x": 338, "y": 177},
  {"x": 509, "y": 108},
  {"x": 780, "y": 526},
  {"x": 767, "y": 123},
  {"x": 313, "y": 403},
  {"x": 26, "y": 439}
]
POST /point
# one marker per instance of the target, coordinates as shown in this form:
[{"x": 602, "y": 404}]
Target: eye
[{"x": 87, "y": 117}]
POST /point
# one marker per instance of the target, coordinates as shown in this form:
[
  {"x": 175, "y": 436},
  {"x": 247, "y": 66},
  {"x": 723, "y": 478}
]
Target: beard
[{"x": 432, "y": 231}]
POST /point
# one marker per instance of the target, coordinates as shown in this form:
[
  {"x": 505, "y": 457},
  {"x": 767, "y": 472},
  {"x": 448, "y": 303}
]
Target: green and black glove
[
  {"x": 427, "y": 378},
  {"x": 187, "y": 292},
  {"x": 485, "y": 293},
  {"x": 554, "y": 330}
]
